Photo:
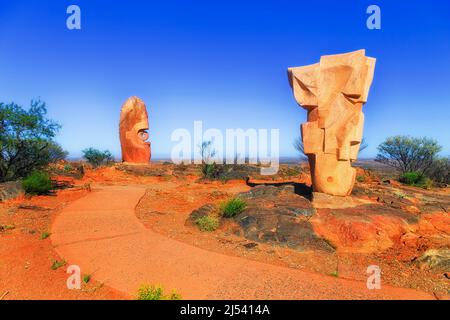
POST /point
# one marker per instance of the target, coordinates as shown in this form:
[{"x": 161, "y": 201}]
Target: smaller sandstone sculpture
[
  {"x": 333, "y": 92},
  {"x": 133, "y": 132}
]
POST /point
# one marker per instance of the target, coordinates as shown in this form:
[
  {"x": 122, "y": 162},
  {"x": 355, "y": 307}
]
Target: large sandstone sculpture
[
  {"x": 133, "y": 131},
  {"x": 333, "y": 92}
]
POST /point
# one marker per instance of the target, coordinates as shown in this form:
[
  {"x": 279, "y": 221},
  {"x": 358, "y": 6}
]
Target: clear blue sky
[{"x": 223, "y": 62}]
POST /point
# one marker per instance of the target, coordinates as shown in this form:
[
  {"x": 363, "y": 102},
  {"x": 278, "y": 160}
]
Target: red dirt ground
[
  {"x": 25, "y": 271},
  {"x": 26, "y": 260}
]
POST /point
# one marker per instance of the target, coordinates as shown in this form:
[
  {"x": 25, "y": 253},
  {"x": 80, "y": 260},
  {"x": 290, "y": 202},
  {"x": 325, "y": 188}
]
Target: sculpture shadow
[{"x": 300, "y": 189}]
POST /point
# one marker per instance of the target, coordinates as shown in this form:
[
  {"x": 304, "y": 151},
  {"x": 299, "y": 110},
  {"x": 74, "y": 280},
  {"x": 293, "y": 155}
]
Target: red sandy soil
[
  {"x": 25, "y": 271},
  {"x": 101, "y": 234},
  {"x": 26, "y": 260},
  {"x": 167, "y": 206}
]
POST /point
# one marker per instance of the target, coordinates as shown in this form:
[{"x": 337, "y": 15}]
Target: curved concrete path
[{"x": 101, "y": 234}]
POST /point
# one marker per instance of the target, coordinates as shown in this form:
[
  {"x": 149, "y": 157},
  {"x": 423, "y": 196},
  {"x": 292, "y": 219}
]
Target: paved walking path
[{"x": 101, "y": 234}]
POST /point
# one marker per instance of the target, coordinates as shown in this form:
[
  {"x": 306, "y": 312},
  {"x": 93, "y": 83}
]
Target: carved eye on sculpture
[{"x": 143, "y": 135}]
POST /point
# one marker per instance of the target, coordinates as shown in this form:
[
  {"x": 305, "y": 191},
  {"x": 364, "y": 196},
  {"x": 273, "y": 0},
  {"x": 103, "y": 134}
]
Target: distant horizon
[{"x": 283, "y": 159}]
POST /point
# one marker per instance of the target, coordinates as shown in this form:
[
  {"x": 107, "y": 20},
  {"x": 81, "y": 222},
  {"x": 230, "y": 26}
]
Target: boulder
[
  {"x": 436, "y": 259},
  {"x": 11, "y": 190}
]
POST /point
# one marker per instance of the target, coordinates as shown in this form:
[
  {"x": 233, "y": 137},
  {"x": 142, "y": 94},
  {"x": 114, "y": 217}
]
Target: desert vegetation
[
  {"x": 26, "y": 140},
  {"x": 416, "y": 159},
  {"x": 97, "y": 158},
  {"x": 208, "y": 223},
  {"x": 233, "y": 207},
  {"x": 37, "y": 183},
  {"x": 156, "y": 292}
]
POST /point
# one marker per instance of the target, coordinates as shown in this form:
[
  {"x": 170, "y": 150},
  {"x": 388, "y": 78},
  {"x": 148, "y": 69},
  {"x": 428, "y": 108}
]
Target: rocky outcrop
[
  {"x": 437, "y": 259},
  {"x": 11, "y": 190},
  {"x": 278, "y": 215}
]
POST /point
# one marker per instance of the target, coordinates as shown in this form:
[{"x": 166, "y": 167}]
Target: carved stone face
[
  {"x": 133, "y": 131},
  {"x": 333, "y": 92}
]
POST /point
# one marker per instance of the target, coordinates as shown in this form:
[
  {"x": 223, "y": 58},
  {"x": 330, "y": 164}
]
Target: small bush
[
  {"x": 207, "y": 223},
  {"x": 416, "y": 179},
  {"x": 6, "y": 228},
  {"x": 97, "y": 158},
  {"x": 37, "y": 183},
  {"x": 361, "y": 179},
  {"x": 335, "y": 274},
  {"x": 175, "y": 296},
  {"x": 57, "y": 264},
  {"x": 212, "y": 171},
  {"x": 147, "y": 292},
  {"x": 440, "y": 171},
  {"x": 86, "y": 278},
  {"x": 233, "y": 207},
  {"x": 411, "y": 178},
  {"x": 45, "y": 235}
]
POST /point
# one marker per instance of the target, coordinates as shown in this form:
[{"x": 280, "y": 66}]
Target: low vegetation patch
[
  {"x": 57, "y": 264},
  {"x": 211, "y": 171},
  {"x": 152, "y": 292},
  {"x": 86, "y": 278},
  {"x": 233, "y": 207},
  {"x": 45, "y": 235},
  {"x": 335, "y": 274},
  {"x": 37, "y": 183},
  {"x": 97, "y": 158},
  {"x": 416, "y": 179},
  {"x": 207, "y": 223},
  {"x": 400, "y": 195},
  {"x": 4, "y": 228}
]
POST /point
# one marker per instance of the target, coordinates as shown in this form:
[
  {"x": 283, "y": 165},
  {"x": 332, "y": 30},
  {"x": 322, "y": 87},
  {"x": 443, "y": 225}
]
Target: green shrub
[
  {"x": 212, "y": 171},
  {"x": 361, "y": 179},
  {"x": 426, "y": 183},
  {"x": 233, "y": 207},
  {"x": 335, "y": 274},
  {"x": 208, "y": 223},
  {"x": 416, "y": 179},
  {"x": 411, "y": 178},
  {"x": 147, "y": 292},
  {"x": 6, "y": 228},
  {"x": 58, "y": 264},
  {"x": 96, "y": 157},
  {"x": 440, "y": 171},
  {"x": 37, "y": 183},
  {"x": 175, "y": 296},
  {"x": 86, "y": 278},
  {"x": 45, "y": 235}
]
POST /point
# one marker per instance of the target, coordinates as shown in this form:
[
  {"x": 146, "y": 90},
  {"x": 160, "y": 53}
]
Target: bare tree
[
  {"x": 298, "y": 145},
  {"x": 207, "y": 151}
]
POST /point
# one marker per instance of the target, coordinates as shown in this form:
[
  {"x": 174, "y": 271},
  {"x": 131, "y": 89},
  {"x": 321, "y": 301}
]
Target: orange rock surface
[
  {"x": 333, "y": 92},
  {"x": 133, "y": 131}
]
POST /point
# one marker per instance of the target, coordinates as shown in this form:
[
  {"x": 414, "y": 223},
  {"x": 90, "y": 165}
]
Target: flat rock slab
[{"x": 101, "y": 234}]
